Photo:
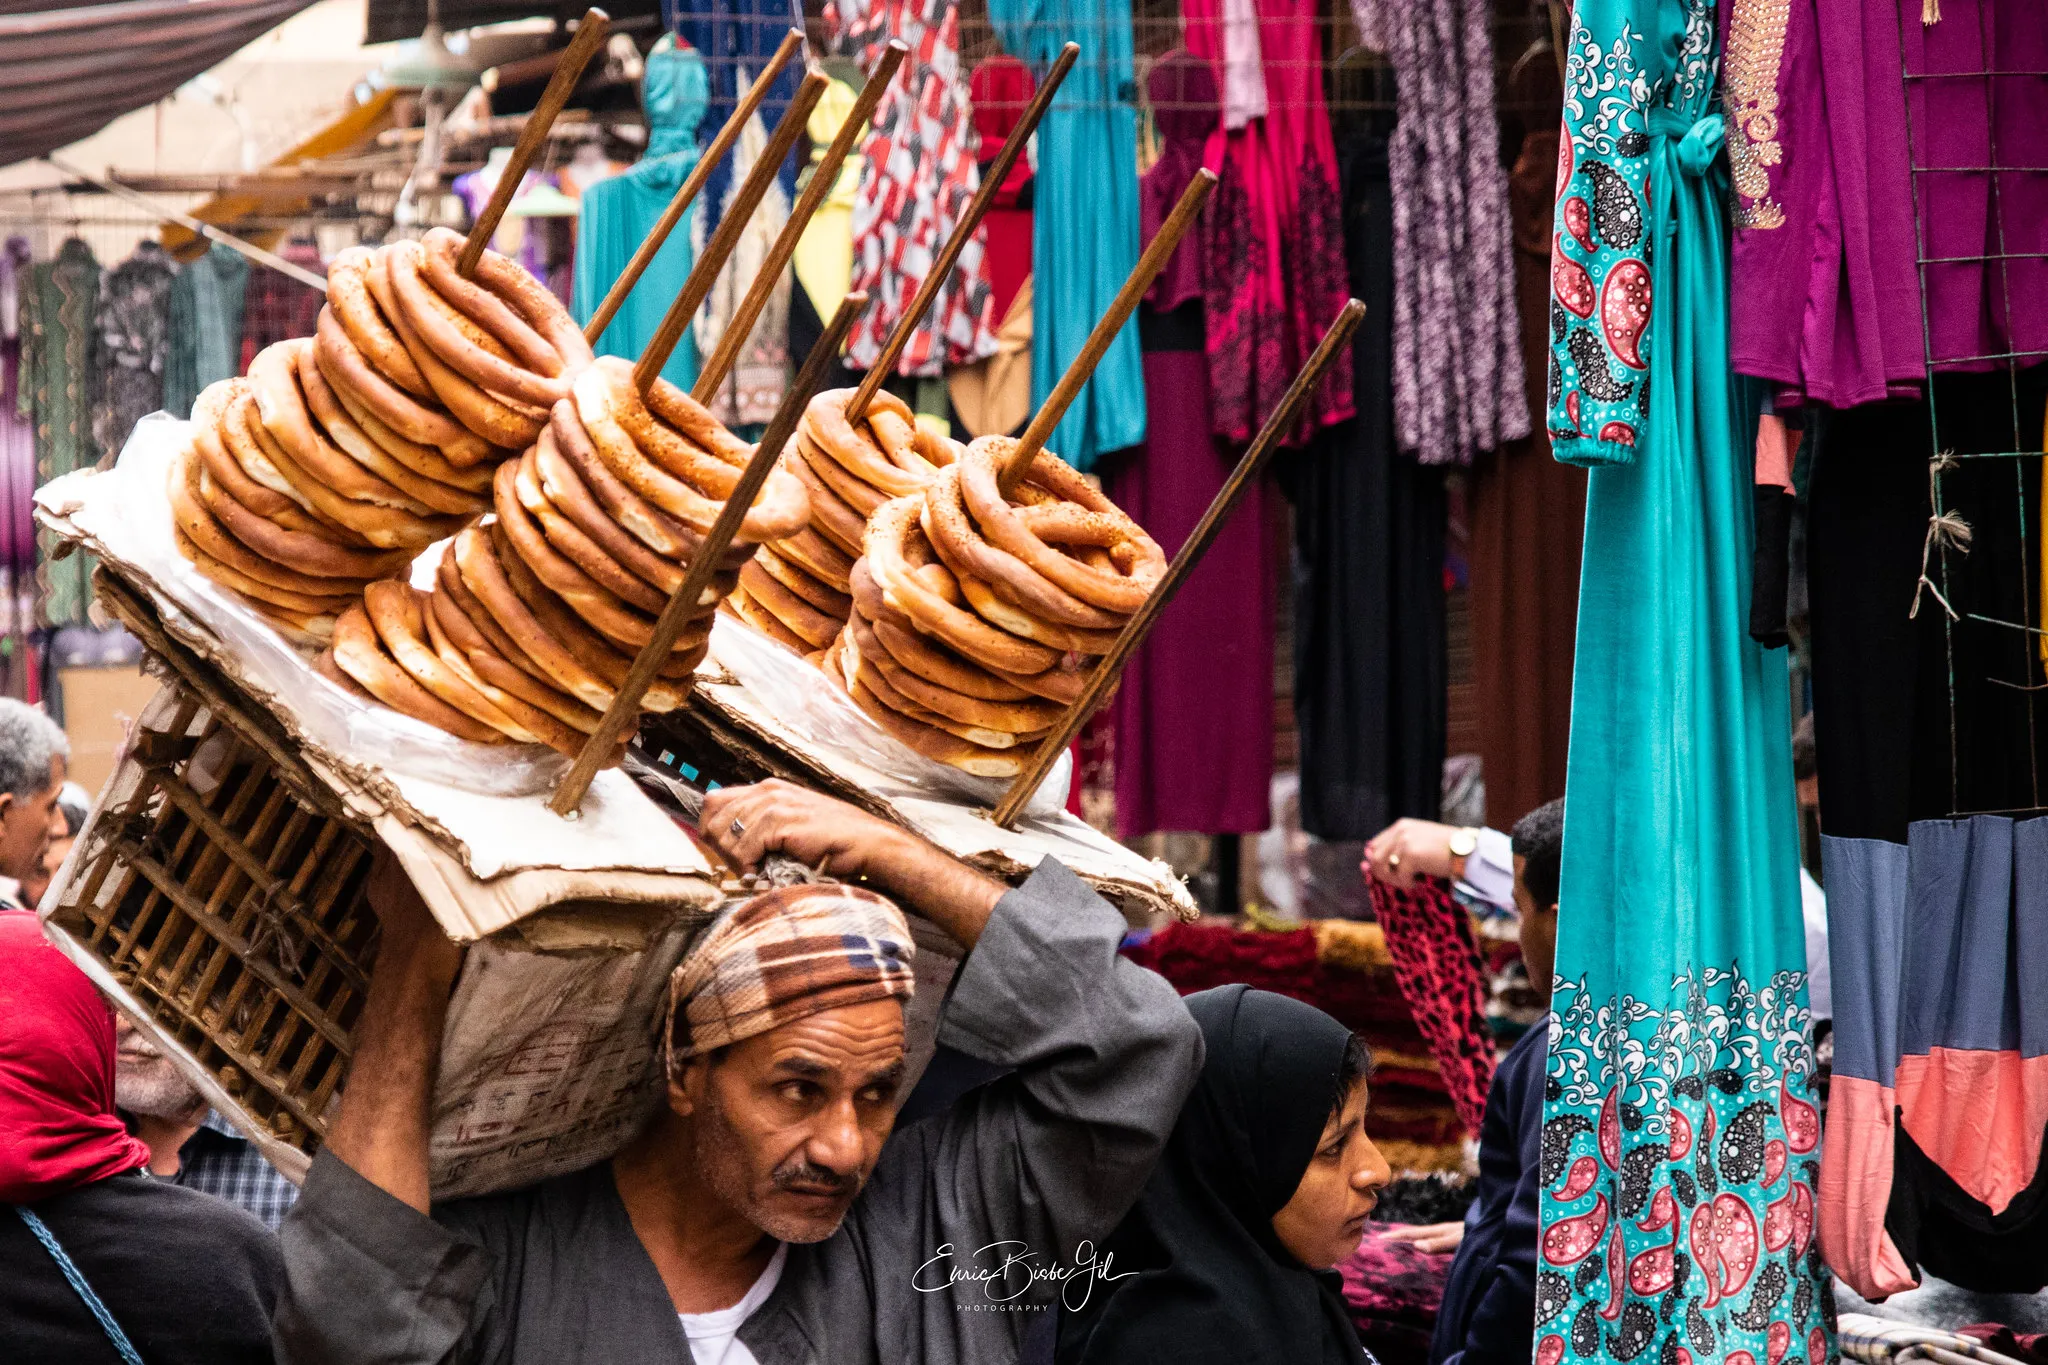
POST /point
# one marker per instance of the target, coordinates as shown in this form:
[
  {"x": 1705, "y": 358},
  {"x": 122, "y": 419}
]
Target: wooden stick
[
  {"x": 692, "y": 186},
  {"x": 1111, "y": 666},
  {"x": 688, "y": 598},
  {"x": 704, "y": 273},
  {"x": 823, "y": 176},
  {"x": 963, "y": 233},
  {"x": 1157, "y": 251},
  {"x": 568, "y": 71}
]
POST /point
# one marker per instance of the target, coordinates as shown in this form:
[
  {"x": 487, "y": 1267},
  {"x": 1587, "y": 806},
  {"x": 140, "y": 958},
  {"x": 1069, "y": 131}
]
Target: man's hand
[
  {"x": 1408, "y": 849},
  {"x": 410, "y": 943},
  {"x": 746, "y": 824},
  {"x": 1432, "y": 1237}
]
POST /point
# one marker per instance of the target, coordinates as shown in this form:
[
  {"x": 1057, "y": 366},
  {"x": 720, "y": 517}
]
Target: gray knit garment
[{"x": 1457, "y": 352}]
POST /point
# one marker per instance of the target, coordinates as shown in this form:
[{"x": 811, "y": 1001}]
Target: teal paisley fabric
[{"x": 1681, "y": 1136}]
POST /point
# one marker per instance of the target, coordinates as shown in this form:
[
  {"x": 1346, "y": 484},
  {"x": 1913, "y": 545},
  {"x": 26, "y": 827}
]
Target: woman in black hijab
[{"x": 1265, "y": 1185}]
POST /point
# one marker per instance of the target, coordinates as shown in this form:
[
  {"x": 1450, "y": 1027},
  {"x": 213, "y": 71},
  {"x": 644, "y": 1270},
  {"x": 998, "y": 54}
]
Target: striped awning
[{"x": 67, "y": 71}]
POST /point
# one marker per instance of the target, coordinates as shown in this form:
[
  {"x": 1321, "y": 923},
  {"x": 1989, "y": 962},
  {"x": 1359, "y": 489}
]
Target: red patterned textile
[
  {"x": 1429, "y": 938},
  {"x": 920, "y": 175}
]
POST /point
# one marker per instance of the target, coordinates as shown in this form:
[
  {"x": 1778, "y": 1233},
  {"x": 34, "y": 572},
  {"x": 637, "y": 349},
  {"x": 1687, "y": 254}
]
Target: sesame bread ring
[
  {"x": 266, "y": 595},
  {"x": 573, "y": 503},
  {"x": 861, "y": 496},
  {"x": 496, "y": 419},
  {"x": 413, "y": 418},
  {"x": 506, "y": 300},
  {"x": 831, "y": 515},
  {"x": 805, "y": 621},
  {"x": 820, "y": 558},
  {"x": 610, "y": 659},
  {"x": 960, "y": 545},
  {"x": 477, "y": 560},
  {"x": 422, "y": 460},
  {"x": 804, "y": 584},
  {"x": 991, "y": 607},
  {"x": 360, "y": 654},
  {"x": 210, "y": 443},
  {"x": 1137, "y": 561},
  {"x": 449, "y": 584},
  {"x": 253, "y": 447},
  {"x": 341, "y": 429},
  {"x": 654, "y": 528},
  {"x": 689, "y": 423},
  {"x": 678, "y": 475},
  {"x": 459, "y": 343},
  {"x": 882, "y": 452},
  {"x": 763, "y": 620},
  {"x": 549, "y": 729},
  {"x": 938, "y": 745},
  {"x": 198, "y": 525},
  {"x": 355, "y": 308},
  {"x": 590, "y": 600},
  {"x": 1011, "y": 718},
  {"x": 387, "y": 300},
  {"x": 303, "y": 630},
  {"x": 565, "y": 538},
  {"x": 394, "y": 609},
  {"x": 920, "y": 654},
  {"x": 865, "y": 674},
  {"x": 273, "y": 377},
  {"x": 324, "y": 665},
  {"x": 387, "y": 528},
  {"x": 893, "y": 538},
  {"x": 307, "y": 553}
]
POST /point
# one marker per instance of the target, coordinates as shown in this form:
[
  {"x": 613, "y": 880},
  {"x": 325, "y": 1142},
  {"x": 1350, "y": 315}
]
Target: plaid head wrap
[{"x": 786, "y": 954}]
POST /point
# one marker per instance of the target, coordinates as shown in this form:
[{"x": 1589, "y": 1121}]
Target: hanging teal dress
[
  {"x": 617, "y": 214},
  {"x": 1681, "y": 1138},
  {"x": 1084, "y": 227}
]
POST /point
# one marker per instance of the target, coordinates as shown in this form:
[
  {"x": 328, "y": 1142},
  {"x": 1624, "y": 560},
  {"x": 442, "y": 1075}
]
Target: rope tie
[{"x": 1945, "y": 530}]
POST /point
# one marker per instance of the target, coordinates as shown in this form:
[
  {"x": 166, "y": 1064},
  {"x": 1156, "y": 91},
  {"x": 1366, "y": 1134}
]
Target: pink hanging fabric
[
  {"x": 1436, "y": 961},
  {"x": 1273, "y": 233}
]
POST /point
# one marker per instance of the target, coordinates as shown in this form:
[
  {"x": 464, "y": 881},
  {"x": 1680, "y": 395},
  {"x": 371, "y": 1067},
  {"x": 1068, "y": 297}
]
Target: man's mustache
[{"x": 806, "y": 1177}]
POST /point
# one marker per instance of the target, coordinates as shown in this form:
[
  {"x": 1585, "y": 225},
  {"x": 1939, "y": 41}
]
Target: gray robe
[{"x": 1048, "y": 1157}]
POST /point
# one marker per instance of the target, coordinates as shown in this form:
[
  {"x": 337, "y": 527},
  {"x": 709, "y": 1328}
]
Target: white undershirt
[{"x": 715, "y": 1336}]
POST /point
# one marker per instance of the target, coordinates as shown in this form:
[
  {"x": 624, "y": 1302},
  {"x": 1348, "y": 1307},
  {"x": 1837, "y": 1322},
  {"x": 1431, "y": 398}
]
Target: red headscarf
[{"x": 58, "y": 1129}]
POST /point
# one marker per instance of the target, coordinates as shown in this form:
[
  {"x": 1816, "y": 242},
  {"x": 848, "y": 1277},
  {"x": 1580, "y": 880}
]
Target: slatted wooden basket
[{"x": 218, "y": 892}]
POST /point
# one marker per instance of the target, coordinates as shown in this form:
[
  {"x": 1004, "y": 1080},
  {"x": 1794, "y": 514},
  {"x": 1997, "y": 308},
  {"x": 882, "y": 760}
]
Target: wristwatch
[{"x": 1463, "y": 842}]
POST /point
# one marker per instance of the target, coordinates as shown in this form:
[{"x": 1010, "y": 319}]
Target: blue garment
[
  {"x": 1489, "y": 1298},
  {"x": 1680, "y": 1142},
  {"x": 1084, "y": 229},
  {"x": 737, "y": 38},
  {"x": 617, "y": 213}
]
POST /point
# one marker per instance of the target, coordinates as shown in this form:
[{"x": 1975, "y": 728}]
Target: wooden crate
[{"x": 230, "y": 911}]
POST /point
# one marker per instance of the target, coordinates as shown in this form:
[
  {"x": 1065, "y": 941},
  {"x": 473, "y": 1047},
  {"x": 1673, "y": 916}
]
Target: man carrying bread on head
[{"x": 767, "y": 1214}]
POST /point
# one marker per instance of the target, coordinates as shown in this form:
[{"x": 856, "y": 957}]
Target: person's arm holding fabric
[
  {"x": 1480, "y": 861},
  {"x": 1103, "y": 1052},
  {"x": 368, "y": 1275}
]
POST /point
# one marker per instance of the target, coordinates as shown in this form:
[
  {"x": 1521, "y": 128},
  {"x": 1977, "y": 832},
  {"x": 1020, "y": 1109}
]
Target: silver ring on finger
[{"x": 738, "y": 828}]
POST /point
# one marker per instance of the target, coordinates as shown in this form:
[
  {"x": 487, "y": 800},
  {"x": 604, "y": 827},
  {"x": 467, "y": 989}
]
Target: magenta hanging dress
[{"x": 1275, "y": 245}]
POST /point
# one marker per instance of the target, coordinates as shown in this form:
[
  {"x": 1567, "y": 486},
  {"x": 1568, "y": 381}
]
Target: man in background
[
  {"x": 72, "y": 805},
  {"x": 189, "y": 1144},
  {"x": 34, "y": 758}
]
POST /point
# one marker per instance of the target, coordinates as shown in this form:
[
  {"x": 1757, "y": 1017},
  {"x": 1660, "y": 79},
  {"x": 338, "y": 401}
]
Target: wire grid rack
[{"x": 1963, "y": 430}]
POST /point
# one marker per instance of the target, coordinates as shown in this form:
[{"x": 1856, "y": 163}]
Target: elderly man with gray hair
[
  {"x": 772, "y": 1212},
  {"x": 34, "y": 760}
]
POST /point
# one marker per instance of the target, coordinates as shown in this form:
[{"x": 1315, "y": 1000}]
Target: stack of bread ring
[
  {"x": 421, "y": 357},
  {"x": 975, "y": 616},
  {"x": 536, "y": 618},
  {"x": 277, "y": 498},
  {"x": 799, "y": 590}
]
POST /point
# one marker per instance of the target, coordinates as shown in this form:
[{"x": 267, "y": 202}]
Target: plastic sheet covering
[
  {"x": 811, "y": 711},
  {"x": 125, "y": 517}
]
